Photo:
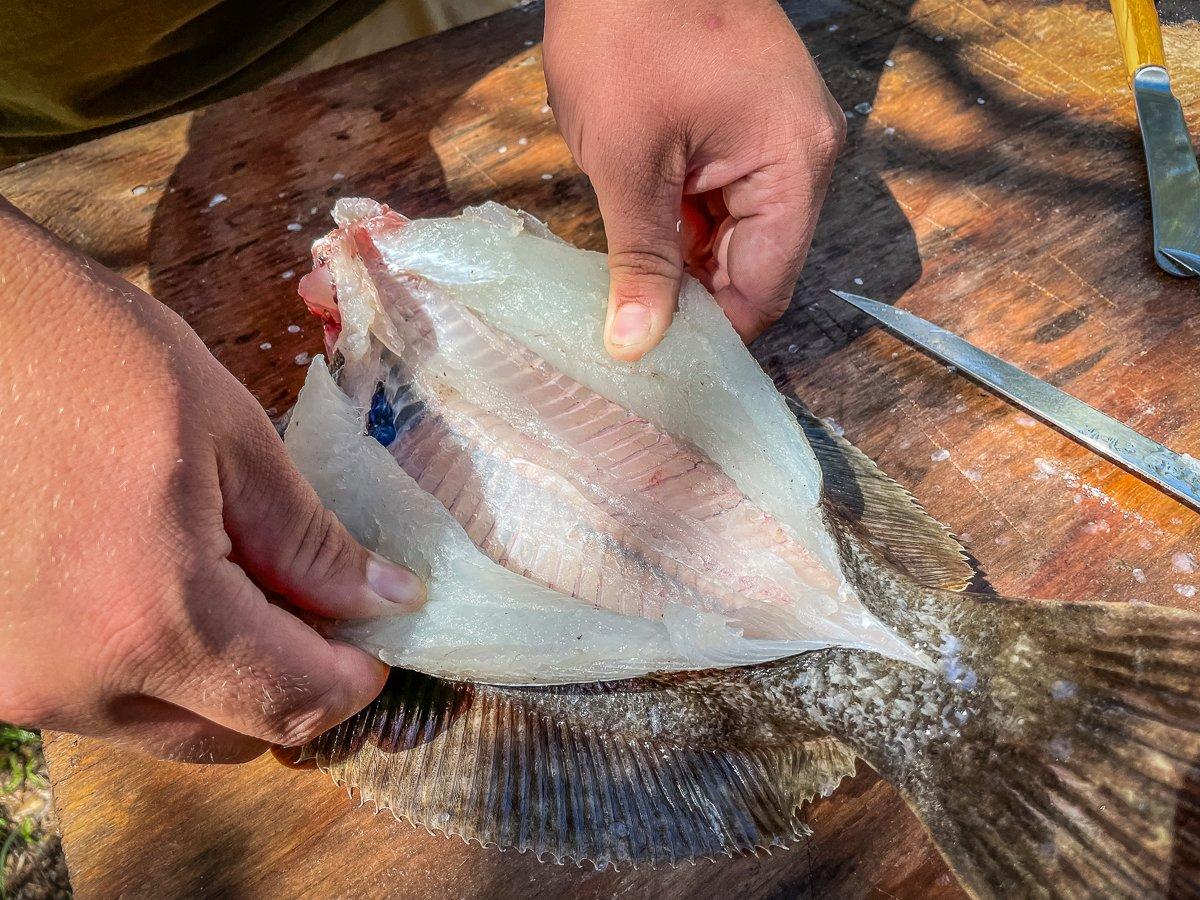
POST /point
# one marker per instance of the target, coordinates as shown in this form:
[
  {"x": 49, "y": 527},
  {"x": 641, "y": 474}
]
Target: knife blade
[
  {"x": 1170, "y": 159},
  {"x": 1174, "y": 174},
  {"x": 1174, "y": 473}
]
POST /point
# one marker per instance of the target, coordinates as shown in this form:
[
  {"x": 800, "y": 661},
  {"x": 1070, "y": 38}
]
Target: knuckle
[
  {"x": 826, "y": 140},
  {"x": 646, "y": 265},
  {"x": 305, "y": 717},
  {"x": 636, "y": 167},
  {"x": 323, "y": 552}
]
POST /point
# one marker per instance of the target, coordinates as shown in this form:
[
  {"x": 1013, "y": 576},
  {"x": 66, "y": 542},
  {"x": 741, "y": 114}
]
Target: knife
[
  {"x": 1170, "y": 160},
  {"x": 1174, "y": 473}
]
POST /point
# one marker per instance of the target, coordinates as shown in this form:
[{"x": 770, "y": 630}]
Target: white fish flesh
[
  {"x": 577, "y": 518},
  {"x": 581, "y": 520}
]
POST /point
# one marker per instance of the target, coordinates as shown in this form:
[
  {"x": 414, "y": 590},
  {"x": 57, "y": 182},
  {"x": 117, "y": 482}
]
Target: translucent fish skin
[
  {"x": 1051, "y": 751},
  {"x": 638, "y": 503},
  {"x": 1050, "y": 748}
]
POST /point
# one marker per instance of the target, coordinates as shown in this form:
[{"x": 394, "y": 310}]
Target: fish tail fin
[{"x": 1077, "y": 773}]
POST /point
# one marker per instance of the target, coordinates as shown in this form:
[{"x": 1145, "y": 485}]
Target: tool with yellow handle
[
  {"x": 1170, "y": 160},
  {"x": 1139, "y": 34}
]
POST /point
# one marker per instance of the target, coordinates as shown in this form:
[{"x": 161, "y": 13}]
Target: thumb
[
  {"x": 645, "y": 262},
  {"x": 289, "y": 543}
]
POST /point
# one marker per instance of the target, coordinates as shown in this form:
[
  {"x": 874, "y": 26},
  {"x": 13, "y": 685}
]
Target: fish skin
[
  {"x": 1048, "y": 747},
  {"x": 555, "y": 481}
]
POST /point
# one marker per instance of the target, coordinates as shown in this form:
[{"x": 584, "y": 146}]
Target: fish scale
[{"x": 1048, "y": 747}]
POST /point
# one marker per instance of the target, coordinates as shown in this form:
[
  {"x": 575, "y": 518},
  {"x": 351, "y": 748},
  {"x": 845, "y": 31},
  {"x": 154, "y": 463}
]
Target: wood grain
[{"x": 996, "y": 186}]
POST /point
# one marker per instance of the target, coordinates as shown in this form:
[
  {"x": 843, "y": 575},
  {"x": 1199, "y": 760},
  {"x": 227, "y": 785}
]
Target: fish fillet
[
  {"x": 580, "y": 519},
  {"x": 576, "y": 518}
]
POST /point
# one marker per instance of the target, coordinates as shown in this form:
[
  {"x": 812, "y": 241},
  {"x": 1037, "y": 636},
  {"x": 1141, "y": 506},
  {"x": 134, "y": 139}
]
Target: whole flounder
[{"x": 668, "y": 607}]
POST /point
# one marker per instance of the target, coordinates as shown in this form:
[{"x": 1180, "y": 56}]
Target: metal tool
[
  {"x": 1167, "y": 470},
  {"x": 1170, "y": 159}
]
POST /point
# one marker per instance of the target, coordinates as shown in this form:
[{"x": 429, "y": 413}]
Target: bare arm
[{"x": 148, "y": 506}]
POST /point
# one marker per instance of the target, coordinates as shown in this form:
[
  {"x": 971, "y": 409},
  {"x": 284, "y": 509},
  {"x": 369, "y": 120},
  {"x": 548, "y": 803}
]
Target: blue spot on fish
[
  {"x": 381, "y": 419},
  {"x": 1062, "y": 690}
]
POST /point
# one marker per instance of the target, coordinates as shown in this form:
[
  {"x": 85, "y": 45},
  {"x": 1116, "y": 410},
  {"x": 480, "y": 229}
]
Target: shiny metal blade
[
  {"x": 1174, "y": 175},
  {"x": 1189, "y": 261},
  {"x": 1172, "y": 472}
]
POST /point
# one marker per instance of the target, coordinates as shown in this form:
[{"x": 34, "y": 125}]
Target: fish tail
[{"x": 1073, "y": 770}]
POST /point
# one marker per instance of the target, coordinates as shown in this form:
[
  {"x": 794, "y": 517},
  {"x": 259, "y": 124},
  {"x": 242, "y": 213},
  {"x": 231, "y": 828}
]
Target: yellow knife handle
[{"x": 1139, "y": 33}]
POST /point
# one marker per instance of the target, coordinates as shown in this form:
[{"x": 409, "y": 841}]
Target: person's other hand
[
  {"x": 148, "y": 506},
  {"x": 709, "y": 137}
]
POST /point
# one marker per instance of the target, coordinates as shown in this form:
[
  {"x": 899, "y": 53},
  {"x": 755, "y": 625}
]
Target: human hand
[
  {"x": 709, "y": 137},
  {"x": 148, "y": 504}
]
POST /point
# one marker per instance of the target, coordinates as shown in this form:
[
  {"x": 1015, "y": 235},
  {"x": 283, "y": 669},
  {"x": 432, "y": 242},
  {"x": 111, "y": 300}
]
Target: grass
[
  {"x": 30, "y": 853},
  {"x": 20, "y": 758}
]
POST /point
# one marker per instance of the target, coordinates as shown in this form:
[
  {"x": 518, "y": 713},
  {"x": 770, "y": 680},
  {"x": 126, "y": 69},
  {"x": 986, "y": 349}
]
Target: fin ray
[
  {"x": 896, "y": 525},
  {"x": 1078, "y": 778},
  {"x": 479, "y": 763}
]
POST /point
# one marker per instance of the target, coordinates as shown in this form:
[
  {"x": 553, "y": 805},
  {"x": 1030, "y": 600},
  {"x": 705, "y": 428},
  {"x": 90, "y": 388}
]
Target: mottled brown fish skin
[{"x": 1049, "y": 747}]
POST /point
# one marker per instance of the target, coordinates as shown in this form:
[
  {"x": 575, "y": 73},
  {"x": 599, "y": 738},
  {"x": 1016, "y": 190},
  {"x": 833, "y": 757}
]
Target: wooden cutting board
[{"x": 993, "y": 182}]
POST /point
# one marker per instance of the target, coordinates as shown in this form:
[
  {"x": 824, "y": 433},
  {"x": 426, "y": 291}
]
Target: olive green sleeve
[{"x": 73, "y": 69}]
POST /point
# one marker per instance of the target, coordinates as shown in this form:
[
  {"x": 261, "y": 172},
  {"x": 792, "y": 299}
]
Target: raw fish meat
[
  {"x": 612, "y": 519},
  {"x": 668, "y": 607}
]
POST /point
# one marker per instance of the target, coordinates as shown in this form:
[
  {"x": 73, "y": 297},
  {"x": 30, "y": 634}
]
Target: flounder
[{"x": 667, "y": 606}]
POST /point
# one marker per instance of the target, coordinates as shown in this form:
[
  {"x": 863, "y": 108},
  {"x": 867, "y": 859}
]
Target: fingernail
[
  {"x": 630, "y": 325},
  {"x": 394, "y": 583}
]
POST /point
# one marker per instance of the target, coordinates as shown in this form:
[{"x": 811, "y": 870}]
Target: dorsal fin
[
  {"x": 889, "y": 517},
  {"x": 480, "y": 763}
]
